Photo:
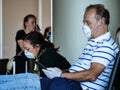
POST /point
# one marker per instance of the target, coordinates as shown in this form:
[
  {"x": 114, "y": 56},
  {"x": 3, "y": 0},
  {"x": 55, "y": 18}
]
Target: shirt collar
[{"x": 105, "y": 36}]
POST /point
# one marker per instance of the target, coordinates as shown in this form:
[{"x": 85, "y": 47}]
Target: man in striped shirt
[{"x": 93, "y": 68}]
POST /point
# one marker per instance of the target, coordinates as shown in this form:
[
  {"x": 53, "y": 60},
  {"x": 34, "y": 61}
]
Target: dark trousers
[{"x": 59, "y": 84}]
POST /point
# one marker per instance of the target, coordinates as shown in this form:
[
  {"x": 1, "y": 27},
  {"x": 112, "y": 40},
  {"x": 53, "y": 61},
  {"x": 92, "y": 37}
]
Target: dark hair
[
  {"x": 37, "y": 38},
  {"x": 26, "y": 18},
  {"x": 46, "y": 31},
  {"x": 101, "y": 12}
]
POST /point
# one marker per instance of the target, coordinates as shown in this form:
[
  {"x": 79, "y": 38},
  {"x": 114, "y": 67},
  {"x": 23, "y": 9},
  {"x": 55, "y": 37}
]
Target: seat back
[{"x": 113, "y": 73}]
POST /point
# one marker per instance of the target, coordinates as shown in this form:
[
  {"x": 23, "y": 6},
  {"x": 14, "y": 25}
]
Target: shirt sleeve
[
  {"x": 104, "y": 54},
  {"x": 19, "y": 35}
]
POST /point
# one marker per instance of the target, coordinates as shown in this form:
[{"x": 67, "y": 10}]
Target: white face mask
[
  {"x": 29, "y": 54},
  {"x": 87, "y": 31}
]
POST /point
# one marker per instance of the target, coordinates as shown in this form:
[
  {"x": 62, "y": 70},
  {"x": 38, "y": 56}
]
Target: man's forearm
[{"x": 80, "y": 76}]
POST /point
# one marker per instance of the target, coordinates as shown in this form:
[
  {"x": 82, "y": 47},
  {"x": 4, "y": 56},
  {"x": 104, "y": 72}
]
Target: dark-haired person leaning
[{"x": 44, "y": 53}]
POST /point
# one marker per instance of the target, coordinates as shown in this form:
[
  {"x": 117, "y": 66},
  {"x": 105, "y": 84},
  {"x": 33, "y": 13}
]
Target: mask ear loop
[
  {"x": 97, "y": 23},
  {"x": 98, "y": 20}
]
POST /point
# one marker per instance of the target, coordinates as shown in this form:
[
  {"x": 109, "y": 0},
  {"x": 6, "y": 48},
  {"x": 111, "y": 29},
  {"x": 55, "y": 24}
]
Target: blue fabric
[
  {"x": 26, "y": 81},
  {"x": 59, "y": 84}
]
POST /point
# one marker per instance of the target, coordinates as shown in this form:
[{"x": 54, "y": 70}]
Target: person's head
[
  {"x": 96, "y": 19},
  {"x": 47, "y": 33},
  {"x": 34, "y": 43},
  {"x": 29, "y": 22},
  {"x": 117, "y": 37}
]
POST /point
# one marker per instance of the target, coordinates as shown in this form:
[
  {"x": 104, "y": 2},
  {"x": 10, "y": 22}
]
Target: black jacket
[{"x": 50, "y": 58}]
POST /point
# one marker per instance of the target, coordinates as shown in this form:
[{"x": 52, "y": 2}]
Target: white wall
[
  {"x": 0, "y": 28},
  {"x": 67, "y": 23}
]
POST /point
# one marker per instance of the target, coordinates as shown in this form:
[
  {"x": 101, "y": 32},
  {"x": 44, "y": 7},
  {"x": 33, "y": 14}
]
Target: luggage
[{"x": 17, "y": 64}]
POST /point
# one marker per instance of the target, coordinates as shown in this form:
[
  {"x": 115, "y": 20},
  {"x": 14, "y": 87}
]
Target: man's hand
[{"x": 52, "y": 72}]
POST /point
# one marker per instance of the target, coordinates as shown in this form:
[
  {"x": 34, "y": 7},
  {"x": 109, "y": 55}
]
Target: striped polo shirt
[{"x": 102, "y": 50}]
